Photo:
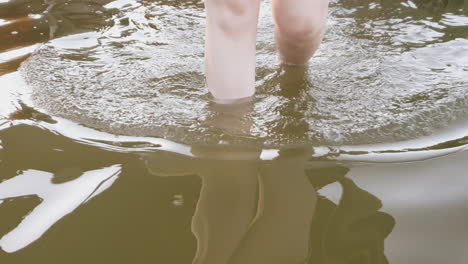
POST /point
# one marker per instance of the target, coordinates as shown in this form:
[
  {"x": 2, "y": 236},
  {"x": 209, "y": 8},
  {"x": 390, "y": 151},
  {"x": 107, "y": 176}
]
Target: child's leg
[
  {"x": 231, "y": 28},
  {"x": 300, "y": 26}
]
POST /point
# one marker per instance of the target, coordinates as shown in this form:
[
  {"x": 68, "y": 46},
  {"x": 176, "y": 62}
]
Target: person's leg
[
  {"x": 231, "y": 27},
  {"x": 299, "y": 30}
]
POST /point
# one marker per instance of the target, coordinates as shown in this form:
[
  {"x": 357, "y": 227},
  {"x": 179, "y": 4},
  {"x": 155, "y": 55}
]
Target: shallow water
[
  {"x": 385, "y": 72},
  {"x": 360, "y": 158}
]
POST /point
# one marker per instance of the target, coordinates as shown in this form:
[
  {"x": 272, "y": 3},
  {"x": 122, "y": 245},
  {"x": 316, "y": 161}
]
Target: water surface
[
  {"x": 386, "y": 72},
  {"x": 109, "y": 144}
]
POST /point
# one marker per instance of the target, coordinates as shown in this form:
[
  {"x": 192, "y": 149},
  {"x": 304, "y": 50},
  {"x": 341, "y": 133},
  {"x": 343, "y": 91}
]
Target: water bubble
[
  {"x": 177, "y": 200},
  {"x": 34, "y": 16}
]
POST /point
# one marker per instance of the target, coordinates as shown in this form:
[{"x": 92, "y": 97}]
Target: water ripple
[{"x": 385, "y": 73}]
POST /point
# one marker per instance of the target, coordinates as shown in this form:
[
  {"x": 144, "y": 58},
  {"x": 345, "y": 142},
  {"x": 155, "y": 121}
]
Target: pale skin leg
[
  {"x": 231, "y": 28},
  {"x": 300, "y": 27}
]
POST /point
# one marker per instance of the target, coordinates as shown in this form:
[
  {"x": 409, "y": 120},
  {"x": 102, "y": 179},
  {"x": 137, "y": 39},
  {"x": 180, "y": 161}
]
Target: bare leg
[
  {"x": 231, "y": 28},
  {"x": 300, "y": 26}
]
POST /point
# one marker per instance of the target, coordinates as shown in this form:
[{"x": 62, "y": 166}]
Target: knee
[
  {"x": 301, "y": 28},
  {"x": 232, "y": 7},
  {"x": 232, "y": 15}
]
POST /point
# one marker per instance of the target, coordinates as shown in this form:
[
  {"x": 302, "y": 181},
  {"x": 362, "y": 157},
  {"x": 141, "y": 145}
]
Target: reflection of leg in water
[
  {"x": 225, "y": 208},
  {"x": 228, "y": 197},
  {"x": 223, "y": 220},
  {"x": 280, "y": 232}
]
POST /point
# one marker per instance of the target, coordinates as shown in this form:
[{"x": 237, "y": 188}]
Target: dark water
[{"x": 359, "y": 158}]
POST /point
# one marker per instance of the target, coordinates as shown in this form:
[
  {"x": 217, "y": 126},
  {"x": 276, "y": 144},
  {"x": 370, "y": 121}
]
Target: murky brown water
[{"x": 91, "y": 171}]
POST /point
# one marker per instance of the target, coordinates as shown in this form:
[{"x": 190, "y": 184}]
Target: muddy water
[
  {"x": 385, "y": 72},
  {"x": 108, "y": 154}
]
